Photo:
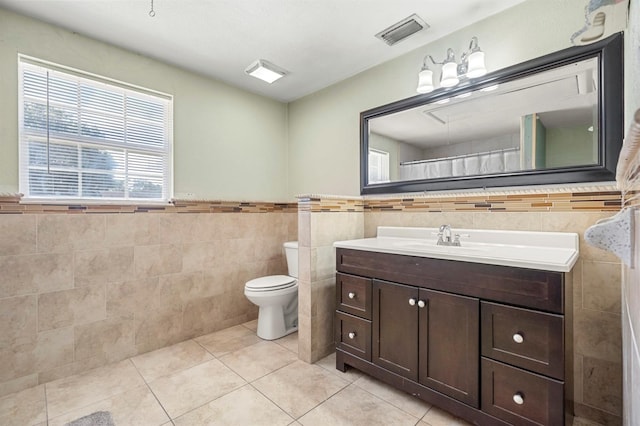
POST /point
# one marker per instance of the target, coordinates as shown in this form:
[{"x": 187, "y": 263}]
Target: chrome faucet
[{"x": 445, "y": 238}]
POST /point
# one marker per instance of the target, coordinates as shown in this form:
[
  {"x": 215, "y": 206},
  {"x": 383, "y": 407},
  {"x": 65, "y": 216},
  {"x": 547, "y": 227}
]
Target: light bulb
[
  {"x": 449, "y": 74},
  {"x": 425, "y": 81},
  {"x": 476, "y": 66}
]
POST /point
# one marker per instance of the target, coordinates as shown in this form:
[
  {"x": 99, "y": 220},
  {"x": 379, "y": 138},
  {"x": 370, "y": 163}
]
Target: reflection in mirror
[
  {"x": 543, "y": 121},
  {"x": 554, "y": 119}
]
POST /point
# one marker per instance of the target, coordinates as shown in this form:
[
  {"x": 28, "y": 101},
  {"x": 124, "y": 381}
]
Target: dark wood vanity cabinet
[
  {"x": 427, "y": 336},
  {"x": 484, "y": 342}
]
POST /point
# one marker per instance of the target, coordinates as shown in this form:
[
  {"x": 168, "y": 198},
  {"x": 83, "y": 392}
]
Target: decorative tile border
[
  {"x": 569, "y": 201},
  {"x": 10, "y": 204},
  {"x": 330, "y": 203},
  {"x": 190, "y": 206},
  {"x": 527, "y": 201}
]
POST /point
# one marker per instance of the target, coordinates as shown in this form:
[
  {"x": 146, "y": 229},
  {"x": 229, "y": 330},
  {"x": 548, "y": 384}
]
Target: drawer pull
[
  {"x": 352, "y": 295},
  {"x": 518, "y": 338},
  {"x": 421, "y": 303},
  {"x": 352, "y": 335},
  {"x": 518, "y": 398},
  {"x": 412, "y": 301}
]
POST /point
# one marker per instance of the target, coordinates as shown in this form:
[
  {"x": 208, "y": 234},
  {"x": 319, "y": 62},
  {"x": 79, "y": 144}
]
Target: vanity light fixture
[
  {"x": 471, "y": 66},
  {"x": 265, "y": 71}
]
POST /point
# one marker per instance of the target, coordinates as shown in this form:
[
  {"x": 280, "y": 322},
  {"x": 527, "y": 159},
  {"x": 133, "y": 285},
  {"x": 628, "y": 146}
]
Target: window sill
[{"x": 78, "y": 202}]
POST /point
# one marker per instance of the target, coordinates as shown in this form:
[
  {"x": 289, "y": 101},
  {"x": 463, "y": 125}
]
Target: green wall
[
  {"x": 232, "y": 144},
  {"x": 228, "y": 143},
  {"x": 570, "y": 146},
  {"x": 324, "y": 126}
]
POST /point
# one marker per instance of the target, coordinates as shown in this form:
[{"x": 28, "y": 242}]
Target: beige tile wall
[
  {"x": 317, "y": 262},
  {"x": 81, "y": 290}
]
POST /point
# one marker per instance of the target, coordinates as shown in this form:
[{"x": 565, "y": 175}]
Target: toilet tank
[{"x": 291, "y": 251}]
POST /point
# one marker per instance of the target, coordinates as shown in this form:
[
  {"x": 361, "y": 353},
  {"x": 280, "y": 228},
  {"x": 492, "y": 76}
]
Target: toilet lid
[{"x": 271, "y": 282}]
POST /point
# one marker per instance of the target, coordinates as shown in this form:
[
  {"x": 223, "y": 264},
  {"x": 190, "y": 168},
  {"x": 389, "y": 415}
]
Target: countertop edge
[{"x": 517, "y": 263}]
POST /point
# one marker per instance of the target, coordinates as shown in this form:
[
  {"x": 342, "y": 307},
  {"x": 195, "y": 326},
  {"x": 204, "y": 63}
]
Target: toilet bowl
[{"x": 277, "y": 298}]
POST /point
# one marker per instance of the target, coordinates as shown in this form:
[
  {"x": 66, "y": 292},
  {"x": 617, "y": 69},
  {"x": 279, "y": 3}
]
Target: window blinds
[
  {"x": 87, "y": 138},
  {"x": 378, "y": 166}
]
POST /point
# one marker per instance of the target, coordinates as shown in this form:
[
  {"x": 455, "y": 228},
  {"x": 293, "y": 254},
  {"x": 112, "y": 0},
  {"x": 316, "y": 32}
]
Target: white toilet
[{"x": 277, "y": 297}]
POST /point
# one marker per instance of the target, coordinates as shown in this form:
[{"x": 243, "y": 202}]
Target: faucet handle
[{"x": 456, "y": 238}]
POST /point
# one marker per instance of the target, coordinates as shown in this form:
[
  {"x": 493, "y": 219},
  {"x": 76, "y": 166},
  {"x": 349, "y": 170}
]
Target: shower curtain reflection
[{"x": 492, "y": 162}]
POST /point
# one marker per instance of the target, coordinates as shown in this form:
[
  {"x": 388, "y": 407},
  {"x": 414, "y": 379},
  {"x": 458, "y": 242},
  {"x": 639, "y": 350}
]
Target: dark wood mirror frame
[{"x": 610, "y": 118}]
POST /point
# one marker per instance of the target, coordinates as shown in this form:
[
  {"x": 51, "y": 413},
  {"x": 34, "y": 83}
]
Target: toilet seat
[{"x": 270, "y": 283}]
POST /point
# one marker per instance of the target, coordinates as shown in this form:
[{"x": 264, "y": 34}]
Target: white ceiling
[{"x": 320, "y": 42}]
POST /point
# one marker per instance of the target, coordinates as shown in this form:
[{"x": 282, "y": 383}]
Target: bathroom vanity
[{"x": 482, "y": 330}]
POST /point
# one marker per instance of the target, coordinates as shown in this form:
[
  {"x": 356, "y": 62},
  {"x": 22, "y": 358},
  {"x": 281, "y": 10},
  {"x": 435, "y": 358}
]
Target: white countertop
[{"x": 549, "y": 251}]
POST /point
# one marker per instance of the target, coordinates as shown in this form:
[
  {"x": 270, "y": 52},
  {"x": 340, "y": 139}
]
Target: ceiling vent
[{"x": 401, "y": 30}]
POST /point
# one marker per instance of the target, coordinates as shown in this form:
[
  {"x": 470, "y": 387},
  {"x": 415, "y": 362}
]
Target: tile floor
[{"x": 230, "y": 377}]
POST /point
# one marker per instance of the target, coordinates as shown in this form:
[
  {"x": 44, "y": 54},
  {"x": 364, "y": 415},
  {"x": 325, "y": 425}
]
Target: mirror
[{"x": 554, "y": 119}]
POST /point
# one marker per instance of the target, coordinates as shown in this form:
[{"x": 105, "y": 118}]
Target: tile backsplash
[{"x": 82, "y": 290}]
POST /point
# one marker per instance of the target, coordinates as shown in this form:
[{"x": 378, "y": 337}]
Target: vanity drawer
[
  {"x": 353, "y": 335},
  {"x": 520, "y": 397},
  {"x": 353, "y": 295},
  {"x": 524, "y": 338}
]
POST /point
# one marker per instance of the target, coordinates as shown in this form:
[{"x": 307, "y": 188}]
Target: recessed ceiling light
[
  {"x": 443, "y": 101},
  {"x": 265, "y": 71},
  {"x": 463, "y": 95}
]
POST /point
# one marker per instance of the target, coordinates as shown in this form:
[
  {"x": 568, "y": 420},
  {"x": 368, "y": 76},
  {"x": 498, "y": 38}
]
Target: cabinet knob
[
  {"x": 421, "y": 303},
  {"x": 518, "y": 338},
  {"x": 412, "y": 301},
  {"x": 352, "y": 295},
  {"x": 518, "y": 398},
  {"x": 352, "y": 335}
]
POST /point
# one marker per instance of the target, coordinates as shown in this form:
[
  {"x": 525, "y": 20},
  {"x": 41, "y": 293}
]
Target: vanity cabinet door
[
  {"x": 395, "y": 328},
  {"x": 449, "y": 340}
]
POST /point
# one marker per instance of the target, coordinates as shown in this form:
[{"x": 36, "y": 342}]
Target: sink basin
[
  {"x": 549, "y": 251},
  {"x": 434, "y": 247}
]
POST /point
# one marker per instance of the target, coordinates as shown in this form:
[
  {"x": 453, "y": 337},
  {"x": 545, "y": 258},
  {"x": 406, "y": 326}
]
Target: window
[
  {"x": 378, "y": 166},
  {"x": 86, "y": 138}
]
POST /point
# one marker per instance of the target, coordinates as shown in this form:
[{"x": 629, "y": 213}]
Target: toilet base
[
  {"x": 272, "y": 324},
  {"x": 276, "y": 336}
]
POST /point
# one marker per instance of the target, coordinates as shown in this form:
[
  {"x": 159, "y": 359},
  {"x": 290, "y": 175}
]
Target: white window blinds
[
  {"x": 87, "y": 138},
  {"x": 378, "y": 166}
]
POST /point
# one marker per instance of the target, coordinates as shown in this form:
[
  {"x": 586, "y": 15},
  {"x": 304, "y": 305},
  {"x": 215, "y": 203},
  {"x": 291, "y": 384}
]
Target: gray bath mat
[{"x": 99, "y": 418}]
